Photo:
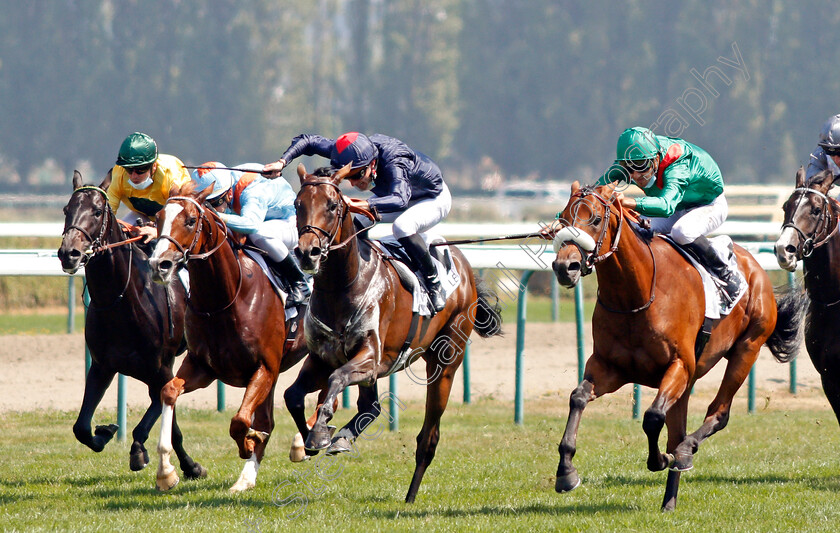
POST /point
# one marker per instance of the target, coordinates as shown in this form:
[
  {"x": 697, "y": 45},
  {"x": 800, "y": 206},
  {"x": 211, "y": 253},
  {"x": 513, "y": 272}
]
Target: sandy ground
[{"x": 47, "y": 372}]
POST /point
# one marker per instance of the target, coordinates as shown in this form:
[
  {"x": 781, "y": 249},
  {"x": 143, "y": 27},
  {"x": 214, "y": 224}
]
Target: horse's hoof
[
  {"x": 241, "y": 486},
  {"x": 138, "y": 462},
  {"x": 106, "y": 432},
  {"x": 340, "y": 445},
  {"x": 166, "y": 481},
  {"x": 317, "y": 441},
  {"x": 196, "y": 472},
  {"x": 297, "y": 453},
  {"x": 567, "y": 483},
  {"x": 682, "y": 463}
]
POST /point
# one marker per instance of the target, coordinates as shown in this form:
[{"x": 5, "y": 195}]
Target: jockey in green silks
[{"x": 683, "y": 190}]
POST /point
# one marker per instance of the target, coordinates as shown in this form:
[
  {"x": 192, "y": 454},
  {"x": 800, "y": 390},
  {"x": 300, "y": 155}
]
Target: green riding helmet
[
  {"x": 636, "y": 146},
  {"x": 137, "y": 150}
]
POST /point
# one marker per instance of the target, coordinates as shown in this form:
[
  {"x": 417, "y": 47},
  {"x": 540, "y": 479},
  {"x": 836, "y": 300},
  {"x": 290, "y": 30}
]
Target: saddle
[{"x": 409, "y": 272}]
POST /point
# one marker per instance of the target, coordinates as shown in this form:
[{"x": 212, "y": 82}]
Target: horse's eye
[
  {"x": 332, "y": 206},
  {"x": 190, "y": 222},
  {"x": 816, "y": 211},
  {"x": 596, "y": 221},
  {"x": 97, "y": 213}
]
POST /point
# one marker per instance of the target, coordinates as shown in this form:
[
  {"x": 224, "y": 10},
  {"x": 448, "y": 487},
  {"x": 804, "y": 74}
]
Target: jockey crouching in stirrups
[
  {"x": 262, "y": 209},
  {"x": 683, "y": 190}
]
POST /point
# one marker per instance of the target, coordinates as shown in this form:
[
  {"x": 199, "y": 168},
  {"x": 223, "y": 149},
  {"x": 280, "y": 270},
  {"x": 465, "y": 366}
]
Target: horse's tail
[
  {"x": 488, "y": 310},
  {"x": 786, "y": 338}
]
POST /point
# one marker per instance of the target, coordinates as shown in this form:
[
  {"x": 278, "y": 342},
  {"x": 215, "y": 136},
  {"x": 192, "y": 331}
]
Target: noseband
[
  {"x": 808, "y": 242},
  {"x": 593, "y": 257}
]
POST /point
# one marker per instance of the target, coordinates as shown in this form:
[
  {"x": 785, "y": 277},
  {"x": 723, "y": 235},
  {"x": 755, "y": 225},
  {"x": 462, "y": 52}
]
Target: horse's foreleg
[
  {"x": 675, "y": 420},
  {"x": 567, "y": 476},
  {"x": 356, "y": 370},
  {"x": 190, "y": 376},
  {"x": 256, "y": 439},
  {"x": 258, "y": 390},
  {"x": 671, "y": 388},
  {"x": 96, "y": 384},
  {"x": 138, "y": 456},
  {"x": 368, "y": 409},
  {"x": 312, "y": 377}
]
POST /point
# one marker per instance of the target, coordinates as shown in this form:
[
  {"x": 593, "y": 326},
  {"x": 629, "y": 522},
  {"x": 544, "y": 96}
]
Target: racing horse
[
  {"x": 236, "y": 326},
  {"x": 810, "y": 234},
  {"x": 645, "y": 329},
  {"x": 360, "y": 325},
  {"x": 132, "y": 325}
]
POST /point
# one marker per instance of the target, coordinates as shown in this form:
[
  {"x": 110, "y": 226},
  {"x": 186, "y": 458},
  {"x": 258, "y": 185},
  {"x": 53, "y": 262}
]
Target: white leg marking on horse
[
  {"x": 248, "y": 477},
  {"x": 166, "y": 476}
]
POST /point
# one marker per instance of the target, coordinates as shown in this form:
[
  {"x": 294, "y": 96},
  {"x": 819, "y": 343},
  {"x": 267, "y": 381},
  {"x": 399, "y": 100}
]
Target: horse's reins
[
  {"x": 187, "y": 254},
  {"x": 590, "y": 259},
  {"x": 808, "y": 245}
]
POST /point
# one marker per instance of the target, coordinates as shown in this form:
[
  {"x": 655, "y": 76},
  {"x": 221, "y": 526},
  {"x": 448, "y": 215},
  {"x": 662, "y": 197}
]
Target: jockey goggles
[{"x": 638, "y": 165}]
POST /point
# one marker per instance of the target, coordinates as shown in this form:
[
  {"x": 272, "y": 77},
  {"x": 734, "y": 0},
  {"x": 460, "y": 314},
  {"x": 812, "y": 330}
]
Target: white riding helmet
[{"x": 211, "y": 173}]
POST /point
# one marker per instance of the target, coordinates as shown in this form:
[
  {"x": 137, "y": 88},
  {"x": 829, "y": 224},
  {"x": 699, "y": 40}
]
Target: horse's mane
[{"x": 323, "y": 172}]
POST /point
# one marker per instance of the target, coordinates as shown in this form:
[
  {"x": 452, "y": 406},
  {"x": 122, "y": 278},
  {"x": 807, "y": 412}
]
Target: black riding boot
[
  {"x": 296, "y": 280},
  {"x": 416, "y": 248},
  {"x": 719, "y": 268}
]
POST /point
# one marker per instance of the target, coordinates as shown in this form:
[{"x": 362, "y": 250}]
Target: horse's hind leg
[
  {"x": 437, "y": 397},
  {"x": 257, "y": 436},
  {"x": 191, "y": 376},
  {"x": 594, "y": 373},
  {"x": 96, "y": 383}
]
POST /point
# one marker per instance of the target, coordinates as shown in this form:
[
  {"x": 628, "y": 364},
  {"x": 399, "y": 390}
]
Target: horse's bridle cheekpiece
[{"x": 810, "y": 243}]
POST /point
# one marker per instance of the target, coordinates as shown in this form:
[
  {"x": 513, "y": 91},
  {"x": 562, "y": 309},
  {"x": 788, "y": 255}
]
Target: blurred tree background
[{"x": 526, "y": 87}]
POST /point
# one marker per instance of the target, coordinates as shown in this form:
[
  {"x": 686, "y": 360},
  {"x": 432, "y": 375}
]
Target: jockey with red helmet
[
  {"x": 262, "y": 209},
  {"x": 407, "y": 188},
  {"x": 827, "y": 154},
  {"x": 683, "y": 189}
]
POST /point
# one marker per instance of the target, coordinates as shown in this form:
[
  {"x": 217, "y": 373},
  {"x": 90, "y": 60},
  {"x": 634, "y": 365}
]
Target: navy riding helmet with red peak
[{"x": 354, "y": 148}]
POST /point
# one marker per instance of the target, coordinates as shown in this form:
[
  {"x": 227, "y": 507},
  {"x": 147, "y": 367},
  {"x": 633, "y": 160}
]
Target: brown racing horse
[
  {"x": 235, "y": 326},
  {"x": 132, "y": 326},
  {"x": 645, "y": 325},
  {"x": 810, "y": 234},
  {"x": 360, "y": 325}
]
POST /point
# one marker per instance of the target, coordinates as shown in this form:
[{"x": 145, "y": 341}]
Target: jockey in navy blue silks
[{"x": 407, "y": 188}]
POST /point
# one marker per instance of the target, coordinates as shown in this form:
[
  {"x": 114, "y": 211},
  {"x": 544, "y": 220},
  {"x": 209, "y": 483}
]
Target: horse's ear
[
  {"x": 823, "y": 181},
  {"x": 205, "y": 193},
  {"x": 106, "y": 182},
  {"x": 77, "y": 180},
  {"x": 575, "y": 187},
  {"x": 800, "y": 177},
  {"x": 175, "y": 190},
  {"x": 341, "y": 174},
  {"x": 301, "y": 172}
]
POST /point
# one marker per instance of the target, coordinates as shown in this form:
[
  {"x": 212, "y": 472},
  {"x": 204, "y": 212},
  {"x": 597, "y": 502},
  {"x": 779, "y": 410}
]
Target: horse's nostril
[
  {"x": 298, "y": 253},
  {"x": 165, "y": 266},
  {"x": 75, "y": 254},
  {"x": 315, "y": 252},
  {"x": 791, "y": 249},
  {"x": 574, "y": 266}
]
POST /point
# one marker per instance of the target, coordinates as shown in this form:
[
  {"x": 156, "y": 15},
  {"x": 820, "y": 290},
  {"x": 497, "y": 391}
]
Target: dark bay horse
[
  {"x": 235, "y": 326},
  {"x": 133, "y": 326},
  {"x": 359, "y": 323},
  {"x": 810, "y": 234},
  {"x": 645, "y": 325}
]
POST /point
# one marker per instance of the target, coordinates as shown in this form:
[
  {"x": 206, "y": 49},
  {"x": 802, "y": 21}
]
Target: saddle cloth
[
  {"x": 410, "y": 274},
  {"x": 278, "y": 284},
  {"x": 717, "y": 301}
]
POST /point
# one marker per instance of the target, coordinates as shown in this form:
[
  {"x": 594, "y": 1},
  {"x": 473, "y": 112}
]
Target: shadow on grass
[{"x": 505, "y": 510}]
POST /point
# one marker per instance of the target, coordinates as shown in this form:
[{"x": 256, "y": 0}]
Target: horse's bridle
[
  {"x": 808, "y": 244},
  {"x": 592, "y": 258},
  {"x": 329, "y": 236},
  {"x": 187, "y": 253}
]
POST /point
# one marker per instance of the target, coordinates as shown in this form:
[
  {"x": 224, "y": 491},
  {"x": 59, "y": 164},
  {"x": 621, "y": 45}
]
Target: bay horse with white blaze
[
  {"x": 359, "y": 324},
  {"x": 133, "y": 326},
  {"x": 236, "y": 326},
  {"x": 810, "y": 234},
  {"x": 645, "y": 326}
]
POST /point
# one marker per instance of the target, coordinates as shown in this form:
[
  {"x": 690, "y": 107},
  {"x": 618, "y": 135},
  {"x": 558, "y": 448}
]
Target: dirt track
[{"x": 47, "y": 372}]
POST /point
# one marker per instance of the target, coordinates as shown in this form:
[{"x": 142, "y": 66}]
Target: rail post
[{"x": 521, "y": 312}]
